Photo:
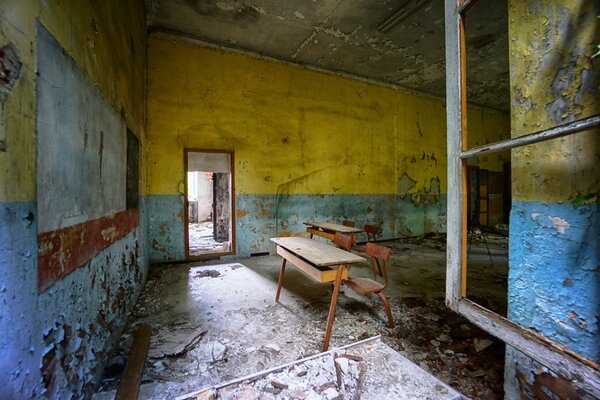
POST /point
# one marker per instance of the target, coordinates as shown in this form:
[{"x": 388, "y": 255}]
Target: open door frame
[{"x": 186, "y": 217}]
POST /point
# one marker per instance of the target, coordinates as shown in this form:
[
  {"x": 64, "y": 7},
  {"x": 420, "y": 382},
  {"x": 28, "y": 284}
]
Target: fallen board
[{"x": 368, "y": 369}]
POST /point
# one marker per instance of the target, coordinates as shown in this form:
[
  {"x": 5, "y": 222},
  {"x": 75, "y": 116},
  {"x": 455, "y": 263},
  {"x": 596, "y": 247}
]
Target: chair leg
[{"x": 388, "y": 310}]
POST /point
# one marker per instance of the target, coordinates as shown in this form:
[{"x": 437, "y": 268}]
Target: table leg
[
  {"x": 332, "y": 307},
  {"x": 280, "y": 281}
]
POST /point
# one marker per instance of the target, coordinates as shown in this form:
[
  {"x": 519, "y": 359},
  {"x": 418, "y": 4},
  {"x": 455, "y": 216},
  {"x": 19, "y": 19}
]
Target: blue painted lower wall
[
  {"x": 55, "y": 343},
  {"x": 166, "y": 235},
  {"x": 554, "y": 280},
  {"x": 262, "y": 216},
  {"x": 20, "y": 339}
]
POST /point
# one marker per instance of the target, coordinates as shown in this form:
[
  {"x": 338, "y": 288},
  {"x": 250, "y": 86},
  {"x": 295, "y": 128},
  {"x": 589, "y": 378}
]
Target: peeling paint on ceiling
[{"x": 342, "y": 36}]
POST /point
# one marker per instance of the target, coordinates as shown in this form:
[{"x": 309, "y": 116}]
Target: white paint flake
[
  {"x": 225, "y": 6},
  {"x": 561, "y": 225},
  {"x": 298, "y": 15},
  {"x": 534, "y": 215}
]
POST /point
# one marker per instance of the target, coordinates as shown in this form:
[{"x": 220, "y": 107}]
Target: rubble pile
[{"x": 337, "y": 377}]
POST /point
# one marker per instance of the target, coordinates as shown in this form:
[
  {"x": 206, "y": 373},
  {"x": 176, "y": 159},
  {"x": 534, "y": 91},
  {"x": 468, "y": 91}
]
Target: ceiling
[{"x": 342, "y": 36}]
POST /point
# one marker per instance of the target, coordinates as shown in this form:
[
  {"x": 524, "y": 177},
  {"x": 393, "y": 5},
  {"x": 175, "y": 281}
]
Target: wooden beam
[
  {"x": 454, "y": 123},
  {"x": 581, "y": 372},
  {"x": 130, "y": 380},
  {"x": 462, "y": 62}
]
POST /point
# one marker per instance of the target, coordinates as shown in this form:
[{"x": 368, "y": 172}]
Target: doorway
[{"x": 209, "y": 205}]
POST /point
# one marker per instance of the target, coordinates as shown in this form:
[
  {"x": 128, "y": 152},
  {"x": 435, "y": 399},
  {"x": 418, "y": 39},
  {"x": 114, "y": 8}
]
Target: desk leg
[
  {"x": 332, "y": 307},
  {"x": 280, "y": 282}
]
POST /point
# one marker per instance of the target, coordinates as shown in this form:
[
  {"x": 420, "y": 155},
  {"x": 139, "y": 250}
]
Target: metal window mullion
[{"x": 536, "y": 137}]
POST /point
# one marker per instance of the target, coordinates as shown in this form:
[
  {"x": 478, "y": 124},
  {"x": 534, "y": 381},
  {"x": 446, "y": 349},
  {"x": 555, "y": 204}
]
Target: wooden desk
[
  {"x": 328, "y": 230},
  {"x": 320, "y": 261}
]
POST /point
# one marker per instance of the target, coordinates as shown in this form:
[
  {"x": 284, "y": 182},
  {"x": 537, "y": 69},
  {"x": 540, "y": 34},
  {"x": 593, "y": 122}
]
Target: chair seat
[
  {"x": 364, "y": 286},
  {"x": 360, "y": 248}
]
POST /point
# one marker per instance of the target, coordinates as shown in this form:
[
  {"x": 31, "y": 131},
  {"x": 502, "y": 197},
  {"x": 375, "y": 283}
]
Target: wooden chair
[
  {"x": 371, "y": 231},
  {"x": 349, "y": 223},
  {"x": 342, "y": 241},
  {"x": 379, "y": 256}
]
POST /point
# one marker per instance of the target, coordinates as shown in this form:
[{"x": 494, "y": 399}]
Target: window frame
[{"x": 582, "y": 372}]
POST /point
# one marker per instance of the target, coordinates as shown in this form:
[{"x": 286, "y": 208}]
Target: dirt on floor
[
  {"x": 201, "y": 241},
  {"x": 216, "y": 322}
]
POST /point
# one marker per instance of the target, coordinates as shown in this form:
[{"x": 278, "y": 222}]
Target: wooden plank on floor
[{"x": 130, "y": 380}]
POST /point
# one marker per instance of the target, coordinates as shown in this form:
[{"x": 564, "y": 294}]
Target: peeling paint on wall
[
  {"x": 554, "y": 81},
  {"x": 307, "y": 145},
  {"x": 10, "y": 70},
  {"x": 83, "y": 317},
  {"x": 166, "y": 231},
  {"x": 554, "y": 240},
  {"x": 56, "y": 343}
]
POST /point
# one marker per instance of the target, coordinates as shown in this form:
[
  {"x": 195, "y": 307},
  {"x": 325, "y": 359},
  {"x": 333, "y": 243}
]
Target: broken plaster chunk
[
  {"x": 279, "y": 385},
  {"x": 477, "y": 374},
  {"x": 331, "y": 394},
  {"x": 431, "y": 317},
  {"x": 343, "y": 363},
  {"x": 210, "y": 352},
  {"x": 159, "y": 366},
  {"x": 444, "y": 338},
  {"x": 298, "y": 394},
  {"x": 313, "y": 396},
  {"x": 274, "y": 347},
  {"x": 482, "y": 344}
]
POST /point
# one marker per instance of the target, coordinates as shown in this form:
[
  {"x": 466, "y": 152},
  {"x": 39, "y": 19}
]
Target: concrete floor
[
  {"x": 201, "y": 239},
  {"x": 216, "y": 321}
]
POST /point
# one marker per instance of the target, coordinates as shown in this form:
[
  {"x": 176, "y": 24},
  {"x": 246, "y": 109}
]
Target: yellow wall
[
  {"x": 107, "y": 40},
  {"x": 293, "y": 130},
  {"x": 551, "y": 87}
]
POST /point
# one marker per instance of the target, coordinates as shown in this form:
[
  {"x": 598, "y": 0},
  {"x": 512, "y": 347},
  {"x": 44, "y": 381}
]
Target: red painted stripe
[{"x": 62, "y": 251}]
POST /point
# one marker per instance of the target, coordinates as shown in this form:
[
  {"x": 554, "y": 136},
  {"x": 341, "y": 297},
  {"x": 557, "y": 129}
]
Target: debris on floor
[
  {"x": 201, "y": 240},
  {"x": 364, "y": 370},
  {"x": 226, "y": 319}
]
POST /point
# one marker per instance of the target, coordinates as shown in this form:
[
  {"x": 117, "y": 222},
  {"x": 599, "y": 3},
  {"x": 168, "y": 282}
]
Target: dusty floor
[
  {"x": 213, "y": 322},
  {"x": 356, "y": 371},
  {"x": 201, "y": 239}
]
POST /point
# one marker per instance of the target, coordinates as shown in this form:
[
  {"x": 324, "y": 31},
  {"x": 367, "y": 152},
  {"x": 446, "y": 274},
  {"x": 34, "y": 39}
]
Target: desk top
[
  {"x": 317, "y": 253},
  {"x": 333, "y": 227}
]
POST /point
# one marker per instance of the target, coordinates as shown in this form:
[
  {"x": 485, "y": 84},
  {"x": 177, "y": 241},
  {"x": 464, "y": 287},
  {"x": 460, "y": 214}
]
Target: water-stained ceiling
[{"x": 343, "y": 36}]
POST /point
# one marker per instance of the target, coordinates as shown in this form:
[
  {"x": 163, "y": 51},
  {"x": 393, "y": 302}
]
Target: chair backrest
[
  {"x": 343, "y": 241},
  {"x": 371, "y": 230},
  {"x": 349, "y": 223},
  {"x": 379, "y": 256}
]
